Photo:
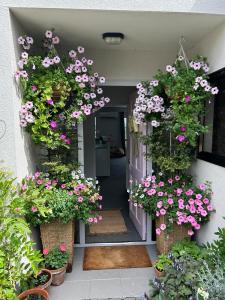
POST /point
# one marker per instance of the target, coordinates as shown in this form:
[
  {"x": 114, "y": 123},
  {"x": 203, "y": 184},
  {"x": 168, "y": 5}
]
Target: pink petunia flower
[
  {"x": 163, "y": 226},
  {"x": 53, "y": 124},
  {"x": 162, "y": 211},
  {"x": 62, "y": 247},
  {"x": 34, "y": 209},
  {"x": 190, "y": 232},
  {"x": 45, "y": 251},
  {"x": 158, "y": 231}
]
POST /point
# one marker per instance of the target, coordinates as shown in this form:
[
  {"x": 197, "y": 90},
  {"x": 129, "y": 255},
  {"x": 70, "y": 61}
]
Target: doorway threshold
[{"x": 114, "y": 244}]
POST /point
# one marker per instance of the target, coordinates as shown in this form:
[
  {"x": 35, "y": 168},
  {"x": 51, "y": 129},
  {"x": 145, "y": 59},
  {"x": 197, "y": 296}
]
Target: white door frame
[{"x": 82, "y": 242}]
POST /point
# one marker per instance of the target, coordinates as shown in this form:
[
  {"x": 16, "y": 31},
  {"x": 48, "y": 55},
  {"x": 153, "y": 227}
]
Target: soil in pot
[
  {"x": 58, "y": 275},
  {"x": 44, "y": 279}
]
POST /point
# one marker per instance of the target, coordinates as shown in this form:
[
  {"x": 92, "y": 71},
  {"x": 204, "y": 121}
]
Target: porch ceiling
[{"x": 144, "y": 31}]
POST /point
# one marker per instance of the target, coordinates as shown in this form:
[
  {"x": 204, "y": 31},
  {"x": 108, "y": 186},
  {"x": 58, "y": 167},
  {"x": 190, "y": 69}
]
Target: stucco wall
[{"x": 213, "y": 47}]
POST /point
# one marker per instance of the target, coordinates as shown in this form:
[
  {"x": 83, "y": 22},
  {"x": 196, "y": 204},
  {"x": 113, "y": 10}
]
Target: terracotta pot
[
  {"x": 35, "y": 291},
  {"x": 58, "y": 275},
  {"x": 49, "y": 282},
  {"x": 158, "y": 273}
]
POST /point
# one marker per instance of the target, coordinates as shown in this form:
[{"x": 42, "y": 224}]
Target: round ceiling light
[{"x": 113, "y": 38}]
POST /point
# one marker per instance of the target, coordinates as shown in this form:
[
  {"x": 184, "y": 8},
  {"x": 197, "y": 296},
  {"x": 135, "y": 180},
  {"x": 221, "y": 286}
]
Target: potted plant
[
  {"x": 160, "y": 264},
  {"x": 56, "y": 261},
  {"x": 178, "y": 205},
  {"x": 54, "y": 204},
  {"x": 18, "y": 258},
  {"x": 34, "y": 292},
  {"x": 57, "y": 92},
  {"x": 43, "y": 279},
  {"x": 173, "y": 103}
]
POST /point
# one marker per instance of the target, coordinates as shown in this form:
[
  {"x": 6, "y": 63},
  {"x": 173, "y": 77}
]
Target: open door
[{"x": 137, "y": 170}]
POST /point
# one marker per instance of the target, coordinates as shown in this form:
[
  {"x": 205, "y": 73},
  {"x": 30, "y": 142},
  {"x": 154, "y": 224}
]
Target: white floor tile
[{"x": 110, "y": 288}]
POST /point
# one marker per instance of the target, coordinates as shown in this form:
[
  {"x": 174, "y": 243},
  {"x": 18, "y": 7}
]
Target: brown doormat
[
  {"x": 112, "y": 222},
  {"x": 117, "y": 257}
]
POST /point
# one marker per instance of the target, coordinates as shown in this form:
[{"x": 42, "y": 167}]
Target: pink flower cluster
[
  {"x": 176, "y": 200},
  {"x": 147, "y": 104},
  {"x": 80, "y": 68},
  {"x": 200, "y": 82},
  {"x": 26, "y": 116}
]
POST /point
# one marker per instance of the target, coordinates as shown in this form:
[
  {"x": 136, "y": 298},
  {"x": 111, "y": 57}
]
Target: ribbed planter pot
[
  {"x": 165, "y": 240},
  {"x": 55, "y": 233},
  {"x": 58, "y": 275},
  {"x": 35, "y": 291},
  {"x": 49, "y": 282},
  {"x": 158, "y": 273}
]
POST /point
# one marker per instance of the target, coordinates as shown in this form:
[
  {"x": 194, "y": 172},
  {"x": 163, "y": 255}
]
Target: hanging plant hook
[{"x": 181, "y": 52}]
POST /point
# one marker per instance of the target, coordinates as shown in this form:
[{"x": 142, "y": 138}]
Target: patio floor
[{"x": 104, "y": 284}]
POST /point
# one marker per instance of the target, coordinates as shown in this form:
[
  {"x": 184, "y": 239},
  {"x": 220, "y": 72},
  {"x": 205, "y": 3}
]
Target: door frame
[{"x": 82, "y": 242}]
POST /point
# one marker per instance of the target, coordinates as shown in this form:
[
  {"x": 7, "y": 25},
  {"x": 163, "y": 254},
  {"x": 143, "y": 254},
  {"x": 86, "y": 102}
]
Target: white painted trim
[
  {"x": 81, "y": 146},
  {"x": 113, "y": 244}
]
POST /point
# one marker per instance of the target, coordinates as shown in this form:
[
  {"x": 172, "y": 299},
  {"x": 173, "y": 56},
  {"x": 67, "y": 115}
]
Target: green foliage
[
  {"x": 162, "y": 262},
  {"x": 59, "y": 170},
  {"x": 181, "y": 281},
  {"x": 187, "y": 247},
  {"x": 212, "y": 281},
  {"x": 18, "y": 259},
  {"x": 216, "y": 249},
  {"x": 56, "y": 259},
  {"x": 62, "y": 207},
  {"x": 174, "y": 103}
]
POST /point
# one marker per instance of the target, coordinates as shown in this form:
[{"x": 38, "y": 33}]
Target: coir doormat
[{"x": 117, "y": 257}]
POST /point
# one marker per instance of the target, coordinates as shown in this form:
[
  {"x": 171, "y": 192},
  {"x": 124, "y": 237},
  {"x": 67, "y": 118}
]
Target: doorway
[{"x": 111, "y": 172}]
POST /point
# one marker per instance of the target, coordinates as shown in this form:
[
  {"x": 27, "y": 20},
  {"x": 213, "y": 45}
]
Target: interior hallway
[{"x": 115, "y": 196}]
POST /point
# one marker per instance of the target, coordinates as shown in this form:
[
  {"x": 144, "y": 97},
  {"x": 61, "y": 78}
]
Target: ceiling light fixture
[{"x": 113, "y": 38}]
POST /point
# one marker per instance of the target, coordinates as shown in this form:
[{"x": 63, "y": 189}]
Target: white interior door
[{"x": 137, "y": 170}]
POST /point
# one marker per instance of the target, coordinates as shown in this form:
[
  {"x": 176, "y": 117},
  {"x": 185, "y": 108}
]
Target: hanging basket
[
  {"x": 55, "y": 233},
  {"x": 165, "y": 240}
]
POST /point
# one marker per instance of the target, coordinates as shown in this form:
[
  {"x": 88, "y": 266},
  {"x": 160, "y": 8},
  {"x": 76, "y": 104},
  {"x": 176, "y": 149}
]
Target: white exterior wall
[{"x": 213, "y": 47}]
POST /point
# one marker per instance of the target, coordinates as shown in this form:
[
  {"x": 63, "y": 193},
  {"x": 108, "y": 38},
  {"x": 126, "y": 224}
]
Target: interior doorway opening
[{"x": 111, "y": 148}]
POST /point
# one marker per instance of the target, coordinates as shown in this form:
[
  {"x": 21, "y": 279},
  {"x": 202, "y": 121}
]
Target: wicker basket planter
[
  {"x": 58, "y": 275},
  {"x": 53, "y": 234},
  {"x": 165, "y": 239}
]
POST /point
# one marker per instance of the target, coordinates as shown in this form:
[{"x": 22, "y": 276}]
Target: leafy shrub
[
  {"x": 212, "y": 281},
  {"x": 187, "y": 247},
  {"x": 180, "y": 282},
  {"x": 18, "y": 259}
]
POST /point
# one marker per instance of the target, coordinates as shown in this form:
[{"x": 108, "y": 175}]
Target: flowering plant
[
  {"x": 57, "y": 93},
  {"x": 55, "y": 258},
  {"x": 174, "y": 102},
  {"x": 47, "y": 199},
  {"x": 175, "y": 199}
]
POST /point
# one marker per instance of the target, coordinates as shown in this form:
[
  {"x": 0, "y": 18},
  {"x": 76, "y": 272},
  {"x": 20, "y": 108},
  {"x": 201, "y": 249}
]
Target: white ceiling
[{"x": 146, "y": 31}]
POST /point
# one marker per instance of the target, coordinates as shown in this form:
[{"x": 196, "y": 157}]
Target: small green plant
[
  {"x": 162, "y": 262},
  {"x": 216, "y": 249},
  {"x": 41, "y": 279},
  {"x": 187, "y": 247},
  {"x": 56, "y": 258},
  {"x": 181, "y": 281}
]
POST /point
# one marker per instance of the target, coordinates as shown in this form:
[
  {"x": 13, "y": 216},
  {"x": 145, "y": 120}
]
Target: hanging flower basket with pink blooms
[
  {"x": 174, "y": 103},
  {"x": 57, "y": 92},
  {"x": 179, "y": 206}
]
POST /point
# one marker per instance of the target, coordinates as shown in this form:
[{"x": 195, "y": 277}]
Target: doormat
[
  {"x": 112, "y": 222},
  {"x": 117, "y": 257}
]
